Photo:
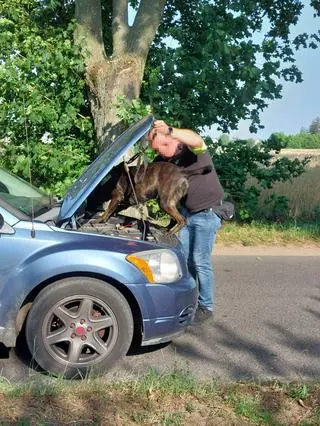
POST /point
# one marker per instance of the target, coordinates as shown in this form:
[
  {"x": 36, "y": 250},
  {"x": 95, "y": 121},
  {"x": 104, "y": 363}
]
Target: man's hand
[
  {"x": 161, "y": 127},
  {"x": 185, "y": 136}
]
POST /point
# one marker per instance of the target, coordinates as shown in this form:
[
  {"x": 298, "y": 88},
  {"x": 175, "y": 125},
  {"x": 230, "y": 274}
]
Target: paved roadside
[
  {"x": 305, "y": 250},
  {"x": 266, "y": 324}
]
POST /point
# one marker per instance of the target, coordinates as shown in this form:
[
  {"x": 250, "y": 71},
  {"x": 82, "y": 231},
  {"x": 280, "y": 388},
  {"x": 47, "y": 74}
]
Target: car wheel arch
[
  {"x": 79, "y": 326},
  {"x": 133, "y": 304}
]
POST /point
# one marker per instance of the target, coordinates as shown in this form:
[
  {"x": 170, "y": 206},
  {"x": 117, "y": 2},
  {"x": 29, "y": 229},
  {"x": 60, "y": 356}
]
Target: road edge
[{"x": 239, "y": 250}]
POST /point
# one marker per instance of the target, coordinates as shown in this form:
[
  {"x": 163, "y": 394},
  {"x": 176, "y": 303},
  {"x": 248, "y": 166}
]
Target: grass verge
[
  {"x": 172, "y": 399},
  {"x": 257, "y": 233}
]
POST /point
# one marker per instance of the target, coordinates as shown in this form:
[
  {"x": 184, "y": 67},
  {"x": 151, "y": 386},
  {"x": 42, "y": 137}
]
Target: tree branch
[
  {"x": 89, "y": 29},
  {"x": 120, "y": 26},
  {"x": 145, "y": 26}
]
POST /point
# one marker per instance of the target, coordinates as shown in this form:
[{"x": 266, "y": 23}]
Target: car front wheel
[{"x": 77, "y": 325}]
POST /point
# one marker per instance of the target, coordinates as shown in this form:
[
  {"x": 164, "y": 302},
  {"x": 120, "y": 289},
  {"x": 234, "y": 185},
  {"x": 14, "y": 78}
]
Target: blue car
[{"x": 81, "y": 292}]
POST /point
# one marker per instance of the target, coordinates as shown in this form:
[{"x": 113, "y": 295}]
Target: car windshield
[{"x": 22, "y": 196}]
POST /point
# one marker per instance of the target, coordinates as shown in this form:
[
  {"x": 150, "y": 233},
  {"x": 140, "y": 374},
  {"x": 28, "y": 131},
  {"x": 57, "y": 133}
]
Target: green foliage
[
  {"x": 315, "y": 126},
  {"x": 239, "y": 160},
  {"x": 130, "y": 111},
  {"x": 177, "y": 383},
  {"x": 270, "y": 234},
  {"x": 299, "y": 392},
  {"x": 249, "y": 407},
  {"x": 208, "y": 66},
  {"x": 43, "y": 111},
  {"x": 276, "y": 208},
  {"x": 303, "y": 139},
  {"x": 154, "y": 208},
  {"x": 224, "y": 139}
]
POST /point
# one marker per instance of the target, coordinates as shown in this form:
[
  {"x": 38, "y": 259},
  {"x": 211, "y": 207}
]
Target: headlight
[{"x": 158, "y": 266}]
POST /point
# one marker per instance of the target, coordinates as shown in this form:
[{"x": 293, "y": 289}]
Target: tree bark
[
  {"x": 120, "y": 74},
  {"x": 107, "y": 80}
]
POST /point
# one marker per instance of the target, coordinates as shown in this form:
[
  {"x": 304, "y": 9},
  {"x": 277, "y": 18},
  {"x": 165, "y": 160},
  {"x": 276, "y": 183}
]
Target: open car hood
[{"x": 97, "y": 170}]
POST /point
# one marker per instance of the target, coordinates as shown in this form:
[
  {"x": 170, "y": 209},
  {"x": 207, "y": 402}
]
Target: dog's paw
[{"x": 176, "y": 228}]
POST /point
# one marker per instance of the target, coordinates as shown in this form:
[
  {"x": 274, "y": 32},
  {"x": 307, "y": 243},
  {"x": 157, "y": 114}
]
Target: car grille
[{"x": 186, "y": 314}]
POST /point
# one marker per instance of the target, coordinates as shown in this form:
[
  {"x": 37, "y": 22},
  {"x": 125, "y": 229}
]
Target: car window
[{"x": 21, "y": 195}]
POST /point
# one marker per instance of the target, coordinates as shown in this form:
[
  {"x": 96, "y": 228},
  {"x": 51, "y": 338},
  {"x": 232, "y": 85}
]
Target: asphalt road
[{"x": 266, "y": 324}]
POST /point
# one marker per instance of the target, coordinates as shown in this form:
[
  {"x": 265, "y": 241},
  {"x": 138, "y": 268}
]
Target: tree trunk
[
  {"x": 107, "y": 80},
  {"x": 122, "y": 73}
]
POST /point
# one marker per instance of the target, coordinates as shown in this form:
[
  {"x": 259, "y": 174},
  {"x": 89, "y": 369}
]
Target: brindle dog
[{"x": 162, "y": 180}]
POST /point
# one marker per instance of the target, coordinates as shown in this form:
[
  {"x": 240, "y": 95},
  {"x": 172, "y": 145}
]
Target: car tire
[{"x": 79, "y": 325}]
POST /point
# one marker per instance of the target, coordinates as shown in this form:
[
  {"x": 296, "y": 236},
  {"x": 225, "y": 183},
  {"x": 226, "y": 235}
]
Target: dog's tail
[{"x": 201, "y": 171}]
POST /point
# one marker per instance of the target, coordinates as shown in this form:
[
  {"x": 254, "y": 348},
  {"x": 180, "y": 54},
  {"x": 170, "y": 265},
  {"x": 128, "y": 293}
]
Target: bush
[
  {"x": 44, "y": 116},
  {"x": 238, "y": 161},
  {"x": 303, "y": 140}
]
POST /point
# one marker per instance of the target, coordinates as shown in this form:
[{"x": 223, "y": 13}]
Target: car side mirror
[{"x": 4, "y": 227}]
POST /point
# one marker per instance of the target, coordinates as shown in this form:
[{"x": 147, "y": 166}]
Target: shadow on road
[
  {"x": 259, "y": 345},
  {"x": 287, "y": 355}
]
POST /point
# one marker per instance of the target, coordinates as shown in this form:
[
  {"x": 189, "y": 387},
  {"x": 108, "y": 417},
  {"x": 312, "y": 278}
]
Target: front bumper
[
  {"x": 163, "y": 327},
  {"x": 168, "y": 310}
]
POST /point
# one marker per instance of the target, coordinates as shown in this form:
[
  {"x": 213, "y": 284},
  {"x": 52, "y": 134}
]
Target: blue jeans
[{"x": 197, "y": 238}]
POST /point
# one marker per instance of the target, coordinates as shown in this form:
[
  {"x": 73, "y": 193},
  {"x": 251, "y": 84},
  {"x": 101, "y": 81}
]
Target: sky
[{"x": 300, "y": 103}]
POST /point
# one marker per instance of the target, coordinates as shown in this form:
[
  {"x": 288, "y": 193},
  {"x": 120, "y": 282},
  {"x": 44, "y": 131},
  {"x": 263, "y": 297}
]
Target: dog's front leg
[
  {"x": 173, "y": 212},
  {"x": 107, "y": 213},
  {"x": 117, "y": 196},
  {"x": 169, "y": 198},
  {"x": 178, "y": 226}
]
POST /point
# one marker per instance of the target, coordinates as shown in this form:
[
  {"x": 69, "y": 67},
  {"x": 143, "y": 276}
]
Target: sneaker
[{"x": 202, "y": 314}]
